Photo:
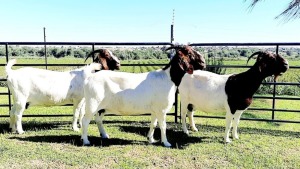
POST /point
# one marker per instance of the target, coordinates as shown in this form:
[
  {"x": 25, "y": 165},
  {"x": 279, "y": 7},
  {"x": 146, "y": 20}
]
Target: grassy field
[{"x": 49, "y": 142}]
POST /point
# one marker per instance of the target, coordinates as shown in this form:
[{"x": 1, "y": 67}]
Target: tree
[
  {"x": 2, "y": 51},
  {"x": 29, "y": 51},
  {"x": 61, "y": 53},
  {"x": 78, "y": 53},
  {"x": 41, "y": 52},
  {"x": 291, "y": 12},
  {"x": 16, "y": 51},
  {"x": 70, "y": 52},
  {"x": 53, "y": 51},
  {"x": 216, "y": 65},
  {"x": 244, "y": 52}
]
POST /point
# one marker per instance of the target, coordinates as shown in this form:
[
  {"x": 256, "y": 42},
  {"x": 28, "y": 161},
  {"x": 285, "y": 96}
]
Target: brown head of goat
[{"x": 106, "y": 58}]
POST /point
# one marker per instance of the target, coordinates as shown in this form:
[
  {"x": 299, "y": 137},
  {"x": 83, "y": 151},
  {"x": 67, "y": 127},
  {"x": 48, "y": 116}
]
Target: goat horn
[
  {"x": 174, "y": 47},
  {"x": 256, "y": 53},
  {"x": 92, "y": 53}
]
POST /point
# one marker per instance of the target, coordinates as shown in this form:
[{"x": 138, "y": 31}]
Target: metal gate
[{"x": 274, "y": 97}]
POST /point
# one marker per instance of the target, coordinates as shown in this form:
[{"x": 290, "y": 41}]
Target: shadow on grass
[
  {"x": 4, "y": 128},
  {"x": 248, "y": 130},
  {"x": 142, "y": 128},
  {"x": 177, "y": 138},
  {"x": 34, "y": 126},
  {"x": 76, "y": 141},
  {"x": 175, "y": 134}
]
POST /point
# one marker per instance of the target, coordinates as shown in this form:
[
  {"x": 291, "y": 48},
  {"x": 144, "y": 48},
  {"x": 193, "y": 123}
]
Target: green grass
[{"x": 50, "y": 143}]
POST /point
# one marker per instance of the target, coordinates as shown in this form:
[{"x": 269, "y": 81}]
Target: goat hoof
[
  {"x": 104, "y": 136},
  {"x": 227, "y": 141},
  {"x": 167, "y": 144},
  {"x": 152, "y": 140},
  {"x": 21, "y": 132},
  {"x": 11, "y": 130},
  {"x": 86, "y": 143},
  {"x": 195, "y": 129},
  {"x": 76, "y": 129},
  {"x": 186, "y": 132},
  {"x": 236, "y": 137}
]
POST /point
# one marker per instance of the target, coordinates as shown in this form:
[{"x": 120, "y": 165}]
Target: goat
[
  {"x": 106, "y": 58},
  {"x": 123, "y": 93},
  {"x": 210, "y": 92},
  {"x": 39, "y": 87}
]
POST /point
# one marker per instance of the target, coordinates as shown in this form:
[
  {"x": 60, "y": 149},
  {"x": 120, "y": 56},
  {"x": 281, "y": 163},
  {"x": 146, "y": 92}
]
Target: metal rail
[{"x": 93, "y": 44}]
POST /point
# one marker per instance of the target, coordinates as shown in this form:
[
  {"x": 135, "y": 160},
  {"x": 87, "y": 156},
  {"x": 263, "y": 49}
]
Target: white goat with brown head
[
  {"x": 210, "y": 92},
  {"x": 39, "y": 87},
  {"x": 138, "y": 93}
]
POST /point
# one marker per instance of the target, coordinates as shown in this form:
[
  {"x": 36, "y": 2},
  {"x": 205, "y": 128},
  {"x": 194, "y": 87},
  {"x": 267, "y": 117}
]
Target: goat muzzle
[{"x": 283, "y": 69}]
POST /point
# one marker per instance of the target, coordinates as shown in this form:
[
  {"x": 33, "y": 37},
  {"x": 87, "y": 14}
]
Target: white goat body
[
  {"x": 129, "y": 94},
  {"x": 205, "y": 90},
  {"x": 39, "y": 87},
  {"x": 47, "y": 88}
]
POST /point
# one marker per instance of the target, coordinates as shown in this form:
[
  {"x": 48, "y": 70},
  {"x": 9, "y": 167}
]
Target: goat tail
[{"x": 9, "y": 65}]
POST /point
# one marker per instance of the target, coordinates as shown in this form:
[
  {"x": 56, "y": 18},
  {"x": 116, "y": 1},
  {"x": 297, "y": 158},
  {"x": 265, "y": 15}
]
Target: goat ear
[
  {"x": 262, "y": 66},
  {"x": 256, "y": 53},
  {"x": 104, "y": 63},
  {"x": 180, "y": 53},
  {"x": 259, "y": 58}
]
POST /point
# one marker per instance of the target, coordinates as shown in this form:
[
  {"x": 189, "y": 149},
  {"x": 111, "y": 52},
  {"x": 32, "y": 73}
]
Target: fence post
[
  {"x": 274, "y": 91},
  {"x": 6, "y": 55},
  {"x": 45, "y": 48},
  {"x": 273, "y": 100},
  {"x": 176, "y": 106}
]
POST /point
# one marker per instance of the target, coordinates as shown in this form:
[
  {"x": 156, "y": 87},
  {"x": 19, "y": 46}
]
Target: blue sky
[{"x": 196, "y": 21}]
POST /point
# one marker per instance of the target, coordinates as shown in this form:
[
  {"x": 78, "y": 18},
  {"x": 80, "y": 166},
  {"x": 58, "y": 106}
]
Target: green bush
[
  {"x": 3, "y": 84},
  {"x": 216, "y": 62},
  {"x": 280, "y": 89}
]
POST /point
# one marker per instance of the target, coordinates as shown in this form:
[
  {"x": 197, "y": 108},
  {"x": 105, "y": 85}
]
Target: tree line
[
  {"x": 138, "y": 53},
  {"x": 81, "y": 52}
]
